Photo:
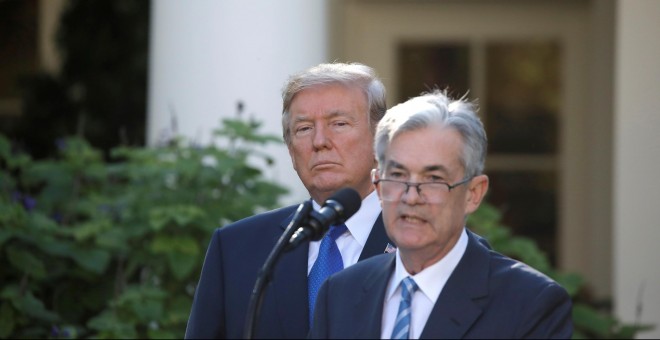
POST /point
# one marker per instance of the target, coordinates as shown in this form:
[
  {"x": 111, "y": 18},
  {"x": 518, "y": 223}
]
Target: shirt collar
[
  {"x": 365, "y": 216},
  {"x": 432, "y": 279}
]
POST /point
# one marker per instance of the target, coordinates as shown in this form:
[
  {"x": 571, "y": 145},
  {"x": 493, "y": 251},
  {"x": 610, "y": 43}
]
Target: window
[{"x": 520, "y": 104}]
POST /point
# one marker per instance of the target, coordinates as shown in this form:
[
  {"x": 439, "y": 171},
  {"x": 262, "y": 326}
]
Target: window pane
[
  {"x": 523, "y": 85},
  {"x": 18, "y": 44},
  {"x": 521, "y": 116},
  {"x": 426, "y": 66}
]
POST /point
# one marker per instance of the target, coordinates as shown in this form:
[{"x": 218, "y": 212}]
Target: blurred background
[{"x": 567, "y": 91}]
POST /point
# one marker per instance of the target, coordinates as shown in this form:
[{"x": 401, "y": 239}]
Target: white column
[
  {"x": 49, "y": 19},
  {"x": 637, "y": 164},
  {"x": 206, "y": 55}
]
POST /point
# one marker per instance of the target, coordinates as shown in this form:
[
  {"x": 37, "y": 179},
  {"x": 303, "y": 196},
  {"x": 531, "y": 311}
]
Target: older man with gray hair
[{"x": 443, "y": 281}]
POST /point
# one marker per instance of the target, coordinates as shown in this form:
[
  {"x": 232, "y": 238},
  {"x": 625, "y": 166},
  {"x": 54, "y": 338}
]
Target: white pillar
[
  {"x": 206, "y": 55},
  {"x": 49, "y": 19},
  {"x": 637, "y": 164}
]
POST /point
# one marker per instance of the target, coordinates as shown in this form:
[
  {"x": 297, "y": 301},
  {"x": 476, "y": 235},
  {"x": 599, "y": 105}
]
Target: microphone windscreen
[{"x": 349, "y": 199}]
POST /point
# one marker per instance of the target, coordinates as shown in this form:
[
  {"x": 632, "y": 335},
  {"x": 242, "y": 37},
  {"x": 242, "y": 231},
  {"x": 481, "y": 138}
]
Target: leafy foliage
[
  {"x": 91, "y": 248},
  {"x": 588, "y": 322}
]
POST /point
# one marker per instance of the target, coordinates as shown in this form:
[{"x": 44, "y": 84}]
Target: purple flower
[
  {"x": 61, "y": 144},
  {"x": 57, "y": 217},
  {"x": 29, "y": 203},
  {"x": 54, "y": 331}
]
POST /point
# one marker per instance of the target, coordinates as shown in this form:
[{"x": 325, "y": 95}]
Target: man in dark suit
[
  {"x": 329, "y": 117},
  {"x": 443, "y": 281}
]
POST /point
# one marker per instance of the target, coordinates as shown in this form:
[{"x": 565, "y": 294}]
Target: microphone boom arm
[
  {"x": 306, "y": 224},
  {"x": 266, "y": 272}
]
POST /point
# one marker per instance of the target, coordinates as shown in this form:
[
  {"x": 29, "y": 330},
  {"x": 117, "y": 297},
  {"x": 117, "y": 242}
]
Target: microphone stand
[{"x": 266, "y": 272}]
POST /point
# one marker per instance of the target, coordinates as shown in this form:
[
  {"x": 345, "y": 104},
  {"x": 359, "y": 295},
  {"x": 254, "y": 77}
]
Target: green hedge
[{"x": 114, "y": 249}]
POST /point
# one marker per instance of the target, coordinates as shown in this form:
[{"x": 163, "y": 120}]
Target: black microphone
[{"x": 337, "y": 209}]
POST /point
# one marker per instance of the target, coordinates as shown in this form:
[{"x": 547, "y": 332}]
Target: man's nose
[
  {"x": 321, "y": 139},
  {"x": 412, "y": 194}
]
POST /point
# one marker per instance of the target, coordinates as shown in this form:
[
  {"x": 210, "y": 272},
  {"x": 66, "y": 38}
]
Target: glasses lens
[
  {"x": 430, "y": 192},
  {"x": 433, "y": 192},
  {"x": 392, "y": 190}
]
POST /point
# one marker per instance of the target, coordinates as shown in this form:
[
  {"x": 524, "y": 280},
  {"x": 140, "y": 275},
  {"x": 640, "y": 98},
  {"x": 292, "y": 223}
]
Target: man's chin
[{"x": 327, "y": 187}]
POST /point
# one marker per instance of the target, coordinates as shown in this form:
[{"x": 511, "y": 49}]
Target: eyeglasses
[{"x": 432, "y": 192}]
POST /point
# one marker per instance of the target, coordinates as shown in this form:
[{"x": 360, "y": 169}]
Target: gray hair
[
  {"x": 436, "y": 108},
  {"x": 350, "y": 75}
]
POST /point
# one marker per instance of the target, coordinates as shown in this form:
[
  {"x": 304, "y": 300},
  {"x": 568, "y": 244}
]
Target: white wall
[
  {"x": 637, "y": 163},
  {"x": 205, "y": 55}
]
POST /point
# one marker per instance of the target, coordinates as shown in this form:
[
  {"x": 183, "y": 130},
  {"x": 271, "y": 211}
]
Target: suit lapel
[
  {"x": 457, "y": 307},
  {"x": 369, "y": 307},
  {"x": 377, "y": 240}
]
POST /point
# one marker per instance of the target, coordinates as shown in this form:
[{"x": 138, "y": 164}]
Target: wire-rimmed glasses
[{"x": 432, "y": 192}]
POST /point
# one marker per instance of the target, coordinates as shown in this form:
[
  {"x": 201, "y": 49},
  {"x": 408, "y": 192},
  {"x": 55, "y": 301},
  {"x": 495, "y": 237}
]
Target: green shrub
[{"x": 113, "y": 249}]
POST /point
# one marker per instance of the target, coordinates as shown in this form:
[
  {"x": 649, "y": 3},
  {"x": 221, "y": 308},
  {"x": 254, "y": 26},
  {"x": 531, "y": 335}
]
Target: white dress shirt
[
  {"x": 359, "y": 226},
  {"x": 430, "y": 281}
]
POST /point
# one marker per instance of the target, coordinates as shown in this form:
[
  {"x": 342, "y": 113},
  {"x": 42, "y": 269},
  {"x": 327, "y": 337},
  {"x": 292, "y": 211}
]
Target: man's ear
[
  {"x": 477, "y": 188},
  {"x": 374, "y": 177}
]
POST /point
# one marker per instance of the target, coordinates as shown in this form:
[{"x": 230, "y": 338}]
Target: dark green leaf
[
  {"x": 182, "y": 265},
  {"x": 629, "y": 331},
  {"x": 30, "y": 305},
  {"x": 178, "y": 309},
  {"x": 175, "y": 244},
  {"x": 6, "y": 320},
  {"x": 26, "y": 262},
  {"x": 94, "y": 260},
  {"x": 4, "y": 236},
  {"x": 110, "y": 326},
  {"x": 90, "y": 229},
  {"x": 588, "y": 319},
  {"x": 148, "y": 310},
  {"x": 570, "y": 281},
  {"x": 163, "y": 334}
]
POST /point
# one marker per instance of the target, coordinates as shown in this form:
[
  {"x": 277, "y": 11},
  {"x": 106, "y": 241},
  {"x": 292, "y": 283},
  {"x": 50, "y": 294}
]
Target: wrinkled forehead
[{"x": 436, "y": 147}]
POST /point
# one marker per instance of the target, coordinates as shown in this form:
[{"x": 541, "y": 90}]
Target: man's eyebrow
[
  {"x": 300, "y": 118},
  {"x": 396, "y": 165},
  {"x": 332, "y": 114},
  {"x": 438, "y": 167},
  {"x": 338, "y": 113}
]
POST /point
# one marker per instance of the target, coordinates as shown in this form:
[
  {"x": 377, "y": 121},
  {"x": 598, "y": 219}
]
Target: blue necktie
[
  {"x": 327, "y": 263},
  {"x": 402, "y": 324}
]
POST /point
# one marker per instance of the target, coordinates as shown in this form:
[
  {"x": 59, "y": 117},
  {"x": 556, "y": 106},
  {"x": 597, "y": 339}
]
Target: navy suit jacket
[
  {"x": 488, "y": 295},
  {"x": 235, "y": 255}
]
